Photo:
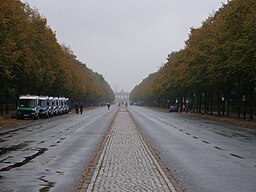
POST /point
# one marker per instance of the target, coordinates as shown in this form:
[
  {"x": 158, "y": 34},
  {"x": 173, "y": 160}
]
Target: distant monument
[{"x": 122, "y": 97}]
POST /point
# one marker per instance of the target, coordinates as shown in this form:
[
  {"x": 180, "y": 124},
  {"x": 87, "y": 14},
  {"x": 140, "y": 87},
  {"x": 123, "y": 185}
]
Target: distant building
[{"x": 122, "y": 97}]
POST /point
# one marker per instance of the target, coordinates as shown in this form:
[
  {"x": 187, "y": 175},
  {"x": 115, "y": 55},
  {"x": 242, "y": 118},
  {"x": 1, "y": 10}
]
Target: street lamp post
[
  {"x": 244, "y": 107},
  {"x": 194, "y": 102},
  {"x": 223, "y": 105},
  {"x": 187, "y": 105},
  {"x": 177, "y": 103}
]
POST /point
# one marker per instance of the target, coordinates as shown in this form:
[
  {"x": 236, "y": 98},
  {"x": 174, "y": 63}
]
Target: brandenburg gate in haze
[{"x": 122, "y": 97}]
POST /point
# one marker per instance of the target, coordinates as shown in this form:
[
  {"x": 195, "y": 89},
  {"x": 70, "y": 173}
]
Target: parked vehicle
[
  {"x": 173, "y": 108},
  {"x": 55, "y": 102},
  {"x": 61, "y": 105},
  {"x": 44, "y": 106},
  {"x": 51, "y": 107},
  {"x": 67, "y": 104},
  {"x": 64, "y": 105},
  {"x": 28, "y": 107},
  {"x": 32, "y": 106}
]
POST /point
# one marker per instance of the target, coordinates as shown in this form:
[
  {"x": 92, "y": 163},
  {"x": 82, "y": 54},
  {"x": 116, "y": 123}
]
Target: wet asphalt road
[
  {"x": 202, "y": 155},
  {"x": 51, "y": 154}
]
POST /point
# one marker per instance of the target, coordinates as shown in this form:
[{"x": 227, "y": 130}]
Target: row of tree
[
  {"x": 215, "y": 71},
  {"x": 32, "y": 61}
]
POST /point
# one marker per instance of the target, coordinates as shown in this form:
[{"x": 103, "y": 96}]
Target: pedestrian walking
[
  {"x": 81, "y": 108},
  {"x": 77, "y": 108},
  {"x": 108, "y": 104}
]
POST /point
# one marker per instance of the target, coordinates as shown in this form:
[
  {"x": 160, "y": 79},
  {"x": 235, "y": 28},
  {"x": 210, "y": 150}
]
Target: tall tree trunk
[
  {"x": 208, "y": 103},
  {"x": 228, "y": 103},
  {"x": 181, "y": 104},
  {"x": 6, "y": 103},
  {"x": 251, "y": 104},
  {"x": 244, "y": 109},
  {"x": 197, "y": 103},
  {"x": 244, "y": 98},
  {"x": 211, "y": 102},
  {"x": 219, "y": 102},
  {"x": 205, "y": 102},
  {"x": 239, "y": 105},
  {"x": 200, "y": 102},
  {"x": 239, "y": 99},
  {"x": 1, "y": 104}
]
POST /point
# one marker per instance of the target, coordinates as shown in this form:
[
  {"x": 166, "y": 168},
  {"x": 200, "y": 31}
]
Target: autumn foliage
[
  {"x": 32, "y": 61},
  {"x": 215, "y": 71}
]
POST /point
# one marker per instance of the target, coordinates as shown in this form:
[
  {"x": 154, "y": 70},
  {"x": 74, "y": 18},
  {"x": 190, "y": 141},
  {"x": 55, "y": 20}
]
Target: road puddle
[
  {"x": 25, "y": 161},
  {"x": 46, "y": 186},
  {"x": 13, "y": 131},
  {"x": 7, "y": 149}
]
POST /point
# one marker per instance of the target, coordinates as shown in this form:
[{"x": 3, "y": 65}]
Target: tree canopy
[
  {"x": 218, "y": 60},
  {"x": 32, "y": 61}
]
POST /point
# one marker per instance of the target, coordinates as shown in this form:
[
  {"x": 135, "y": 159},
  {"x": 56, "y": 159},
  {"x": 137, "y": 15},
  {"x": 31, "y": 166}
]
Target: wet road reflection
[
  {"x": 51, "y": 154},
  {"x": 202, "y": 155}
]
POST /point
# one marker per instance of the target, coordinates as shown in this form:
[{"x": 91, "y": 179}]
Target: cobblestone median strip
[{"x": 126, "y": 163}]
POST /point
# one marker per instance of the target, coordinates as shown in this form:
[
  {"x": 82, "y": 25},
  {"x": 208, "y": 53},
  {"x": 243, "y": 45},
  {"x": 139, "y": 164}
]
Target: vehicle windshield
[
  {"x": 26, "y": 103},
  {"x": 43, "y": 103}
]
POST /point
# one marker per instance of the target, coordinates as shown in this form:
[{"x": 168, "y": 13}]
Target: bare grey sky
[{"x": 124, "y": 40}]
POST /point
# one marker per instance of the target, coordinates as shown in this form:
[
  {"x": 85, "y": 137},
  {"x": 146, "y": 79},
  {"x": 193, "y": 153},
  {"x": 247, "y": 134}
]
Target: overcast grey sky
[{"x": 124, "y": 40}]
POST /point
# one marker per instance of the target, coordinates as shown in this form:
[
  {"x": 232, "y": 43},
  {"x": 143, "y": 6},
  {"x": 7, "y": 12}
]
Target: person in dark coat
[
  {"x": 77, "y": 108},
  {"x": 81, "y": 108}
]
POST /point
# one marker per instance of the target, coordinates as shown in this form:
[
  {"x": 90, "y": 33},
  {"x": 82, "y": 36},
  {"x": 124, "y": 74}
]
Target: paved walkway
[{"x": 126, "y": 164}]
